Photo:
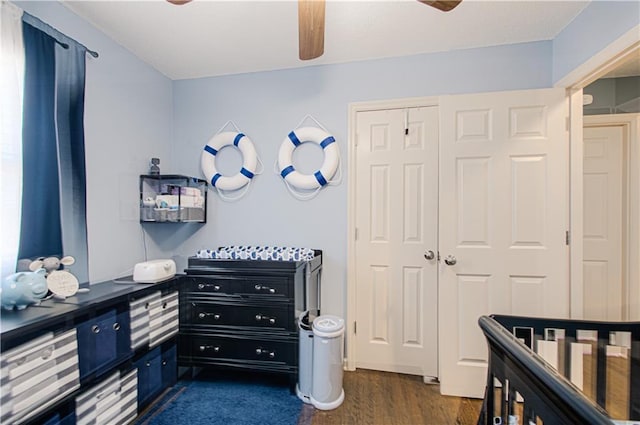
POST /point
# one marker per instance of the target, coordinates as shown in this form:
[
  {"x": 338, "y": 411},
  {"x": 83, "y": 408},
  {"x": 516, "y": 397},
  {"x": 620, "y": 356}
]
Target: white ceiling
[{"x": 210, "y": 38}]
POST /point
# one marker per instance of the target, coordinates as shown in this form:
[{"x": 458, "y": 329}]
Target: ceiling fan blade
[
  {"x": 444, "y": 5},
  {"x": 310, "y": 28}
]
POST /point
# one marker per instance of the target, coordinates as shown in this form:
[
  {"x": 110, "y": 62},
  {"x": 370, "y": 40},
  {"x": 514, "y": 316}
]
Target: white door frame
[
  {"x": 354, "y": 108},
  {"x": 630, "y": 124},
  {"x": 604, "y": 61}
]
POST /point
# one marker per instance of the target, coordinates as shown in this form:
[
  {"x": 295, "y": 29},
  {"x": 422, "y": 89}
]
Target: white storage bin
[
  {"x": 114, "y": 401},
  {"x": 37, "y": 374},
  {"x": 154, "y": 319},
  {"x": 140, "y": 311},
  {"x": 163, "y": 318}
]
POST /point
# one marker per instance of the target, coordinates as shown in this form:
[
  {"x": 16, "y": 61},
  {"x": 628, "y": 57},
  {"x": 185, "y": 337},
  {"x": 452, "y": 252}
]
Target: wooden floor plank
[{"x": 373, "y": 397}]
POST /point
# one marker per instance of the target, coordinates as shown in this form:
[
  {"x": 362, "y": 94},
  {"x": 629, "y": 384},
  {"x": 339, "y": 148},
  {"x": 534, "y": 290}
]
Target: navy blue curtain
[
  {"x": 54, "y": 177},
  {"x": 41, "y": 229},
  {"x": 70, "y": 86}
]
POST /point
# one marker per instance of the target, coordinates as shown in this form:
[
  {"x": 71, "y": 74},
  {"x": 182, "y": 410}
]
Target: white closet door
[
  {"x": 396, "y": 220},
  {"x": 503, "y": 214}
]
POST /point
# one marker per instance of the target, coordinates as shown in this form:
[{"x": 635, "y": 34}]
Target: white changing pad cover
[{"x": 274, "y": 253}]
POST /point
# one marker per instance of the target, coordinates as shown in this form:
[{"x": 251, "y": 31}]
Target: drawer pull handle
[
  {"x": 105, "y": 393},
  {"x": 95, "y": 329},
  {"x": 164, "y": 305},
  {"x": 148, "y": 364},
  {"x": 164, "y": 363},
  {"x": 116, "y": 326},
  {"x": 209, "y": 347},
  {"x": 46, "y": 353},
  {"x": 204, "y": 285},
  {"x": 215, "y": 316},
  {"x": 259, "y": 287},
  {"x": 260, "y": 318},
  {"x": 146, "y": 306},
  {"x": 262, "y": 351}
]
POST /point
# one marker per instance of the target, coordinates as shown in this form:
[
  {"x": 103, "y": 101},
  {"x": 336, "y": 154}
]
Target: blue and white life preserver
[
  {"x": 320, "y": 178},
  {"x": 249, "y": 157}
]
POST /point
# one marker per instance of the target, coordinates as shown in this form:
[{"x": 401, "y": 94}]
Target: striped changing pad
[{"x": 274, "y": 253}]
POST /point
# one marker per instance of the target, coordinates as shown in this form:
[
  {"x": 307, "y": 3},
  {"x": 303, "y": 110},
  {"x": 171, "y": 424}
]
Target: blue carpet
[{"x": 230, "y": 399}]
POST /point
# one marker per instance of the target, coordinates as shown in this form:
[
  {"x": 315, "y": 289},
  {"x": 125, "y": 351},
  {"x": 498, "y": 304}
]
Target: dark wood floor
[{"x": 384, "y": 398}]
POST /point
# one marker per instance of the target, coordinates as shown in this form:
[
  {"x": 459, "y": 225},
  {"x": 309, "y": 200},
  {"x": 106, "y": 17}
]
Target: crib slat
[
  {"x": 601, "y": 368},
  {"x": 634, "y": 376}
]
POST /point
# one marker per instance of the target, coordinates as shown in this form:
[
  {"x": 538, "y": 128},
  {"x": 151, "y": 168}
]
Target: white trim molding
[
  {"x": 576, "y": 204},
  {"x": 631, "y": 268}
]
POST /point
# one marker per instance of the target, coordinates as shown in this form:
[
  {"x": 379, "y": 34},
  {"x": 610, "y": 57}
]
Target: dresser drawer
[
  {"x": 212, "y": 285},
  {"x": 38, "y": 373},
  {"x": 240, "y": 285},
  {"x": 273, "y": 316},
  {"x": 236, "y": 349}
]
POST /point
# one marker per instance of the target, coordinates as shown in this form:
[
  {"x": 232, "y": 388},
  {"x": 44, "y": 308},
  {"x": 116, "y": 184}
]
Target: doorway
[
  {"x": 607, "y": 108},
  {"x": 611, "y": 237},
  {"x": 496, "y": 197}
]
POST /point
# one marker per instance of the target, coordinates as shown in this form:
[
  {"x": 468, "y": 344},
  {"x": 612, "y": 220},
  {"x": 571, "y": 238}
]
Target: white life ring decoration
[
  {"x": 249, "y": 157},
  {"x": 320, "y": 178}
]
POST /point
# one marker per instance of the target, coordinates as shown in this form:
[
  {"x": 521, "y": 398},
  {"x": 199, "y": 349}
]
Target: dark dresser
[{"x": 242, "y": 313}]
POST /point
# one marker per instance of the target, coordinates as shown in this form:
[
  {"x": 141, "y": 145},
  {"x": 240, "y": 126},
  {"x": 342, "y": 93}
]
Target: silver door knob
[
  {"x": 429, "y": 255},
  {"x": 450, "y": 260}
]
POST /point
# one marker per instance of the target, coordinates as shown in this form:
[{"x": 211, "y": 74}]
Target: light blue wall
[
  {"x": 128, "y": 119},
  {"x": 133, "y": 112},
  {"x": 267, "y": 105},
  {"x": 597, "y": 26}
]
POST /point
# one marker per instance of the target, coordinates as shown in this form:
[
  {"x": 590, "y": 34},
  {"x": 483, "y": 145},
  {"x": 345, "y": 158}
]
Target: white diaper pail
[{"x": 326, "y": 386}]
